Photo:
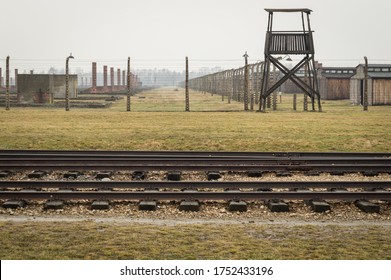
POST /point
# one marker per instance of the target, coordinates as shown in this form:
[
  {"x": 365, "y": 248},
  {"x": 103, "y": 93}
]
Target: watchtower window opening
[
  {"x": 295, "y": 42},
  {"x": 289, "y": 43}
]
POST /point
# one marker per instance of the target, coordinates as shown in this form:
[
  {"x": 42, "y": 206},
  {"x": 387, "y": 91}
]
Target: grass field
[
  {"x": 158, "y": 122},
  {"x": 341, "y": 127},
  {"x": 57, "y": 240}
]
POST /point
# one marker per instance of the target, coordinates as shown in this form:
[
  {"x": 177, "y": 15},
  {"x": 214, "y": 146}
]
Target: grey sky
[{"x": 40, "y": 33}]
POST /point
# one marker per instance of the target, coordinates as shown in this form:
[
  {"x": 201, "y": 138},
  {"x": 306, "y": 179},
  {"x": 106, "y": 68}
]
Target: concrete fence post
[
  {"x": 128, "y": 87},
  {"x": 16, "y": 79},
  {"x": 187, "y": 86},
  {"x": 365, "y": 97},
  {"x": 274, "y": 101},
  {"x": 305, "y": 102},
  {"x": 67, "y": 82},
  {"x": 7, "y": 84},
  {"x": 245, "y": 89},
  {"x": 294, "y": 101}
]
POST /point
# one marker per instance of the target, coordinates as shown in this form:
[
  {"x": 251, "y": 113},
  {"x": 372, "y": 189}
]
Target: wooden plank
[
  {"x": 338, "y": 89},
  {"x": 381, "y": 92}
]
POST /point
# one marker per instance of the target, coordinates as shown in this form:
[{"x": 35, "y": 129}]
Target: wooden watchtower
[{"x": 282, "y": 43}]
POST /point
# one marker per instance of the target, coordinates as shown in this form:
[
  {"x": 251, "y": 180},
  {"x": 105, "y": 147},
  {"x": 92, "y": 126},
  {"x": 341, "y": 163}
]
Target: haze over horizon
[{"x": 160, "y": 34}]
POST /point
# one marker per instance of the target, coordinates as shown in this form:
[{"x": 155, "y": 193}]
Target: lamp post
[{"x": 67, "y": 82}]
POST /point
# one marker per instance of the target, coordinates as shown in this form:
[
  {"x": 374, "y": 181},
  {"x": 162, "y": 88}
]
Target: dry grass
[
  {"x": 64, "y": 241},
  {"x": 341, "y": 127},
  {"x": 150, "y": 126},
  {"x": 173, "y": 100}
]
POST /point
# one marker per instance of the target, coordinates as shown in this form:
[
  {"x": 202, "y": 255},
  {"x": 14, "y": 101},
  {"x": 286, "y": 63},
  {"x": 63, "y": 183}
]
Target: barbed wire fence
[
  {"x": 104, "y": 76},
  {"x": 232, "y": 79}
]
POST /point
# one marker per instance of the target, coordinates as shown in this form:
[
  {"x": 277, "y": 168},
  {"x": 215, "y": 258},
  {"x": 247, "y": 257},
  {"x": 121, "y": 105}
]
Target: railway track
[
  {"x": 145, "y": 190},
  {"x": 194, "y": 161}
]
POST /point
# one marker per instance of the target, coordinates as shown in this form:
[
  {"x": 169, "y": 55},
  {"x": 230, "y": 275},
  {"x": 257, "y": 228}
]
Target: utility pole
[{"x": 187, "y": 86}]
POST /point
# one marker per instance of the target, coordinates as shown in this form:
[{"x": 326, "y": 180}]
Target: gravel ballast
[{"x": 169, "y": 210}]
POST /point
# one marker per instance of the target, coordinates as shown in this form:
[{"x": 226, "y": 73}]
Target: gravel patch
[
  {"x": 210, "y": 210},
  {"x": 341, "y": 211}
]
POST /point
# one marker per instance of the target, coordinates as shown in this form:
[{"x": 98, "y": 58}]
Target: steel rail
[
  {"x": 195, "y": 160},
  {"x": 39, "y": 184},
  {"x": 153, "y": 166},
  {"x": 101, "y": 153},
  {"x": 170, "y": 195},
  {"x": 219, "y": 161}
]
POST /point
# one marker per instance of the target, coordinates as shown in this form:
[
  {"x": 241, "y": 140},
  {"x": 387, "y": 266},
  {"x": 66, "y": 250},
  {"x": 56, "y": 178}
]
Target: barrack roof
[
  {"x": 376, "y": 65},
  {"x": 308, "y": 11}
]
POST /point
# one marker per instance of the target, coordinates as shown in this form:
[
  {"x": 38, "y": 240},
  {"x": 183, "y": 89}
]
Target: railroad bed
[{"x": 191, "y": 178}]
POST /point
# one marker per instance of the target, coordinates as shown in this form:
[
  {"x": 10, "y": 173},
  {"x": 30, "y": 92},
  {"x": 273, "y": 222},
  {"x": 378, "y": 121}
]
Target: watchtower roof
[{"x": 308, "y": 11}]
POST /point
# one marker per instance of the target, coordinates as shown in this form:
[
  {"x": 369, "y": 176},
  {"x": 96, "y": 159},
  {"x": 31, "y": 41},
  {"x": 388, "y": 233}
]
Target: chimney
[
  {"x": 118, "y": 77},
  {"x": 105, "y": 77},
  {"x": 16, "y": 78},
  {"x": 94, "y": 76},
  {"x": 111, "y": 78}
]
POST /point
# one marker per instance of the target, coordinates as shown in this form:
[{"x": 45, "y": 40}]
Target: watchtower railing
[{"x": 289, "y": 43}]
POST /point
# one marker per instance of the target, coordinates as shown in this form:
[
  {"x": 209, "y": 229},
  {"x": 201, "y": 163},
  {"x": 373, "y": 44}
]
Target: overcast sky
[{"x": 40, "y": 33}]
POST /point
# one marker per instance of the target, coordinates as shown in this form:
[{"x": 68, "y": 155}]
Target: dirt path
[{"x": 189, "y": 221}]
